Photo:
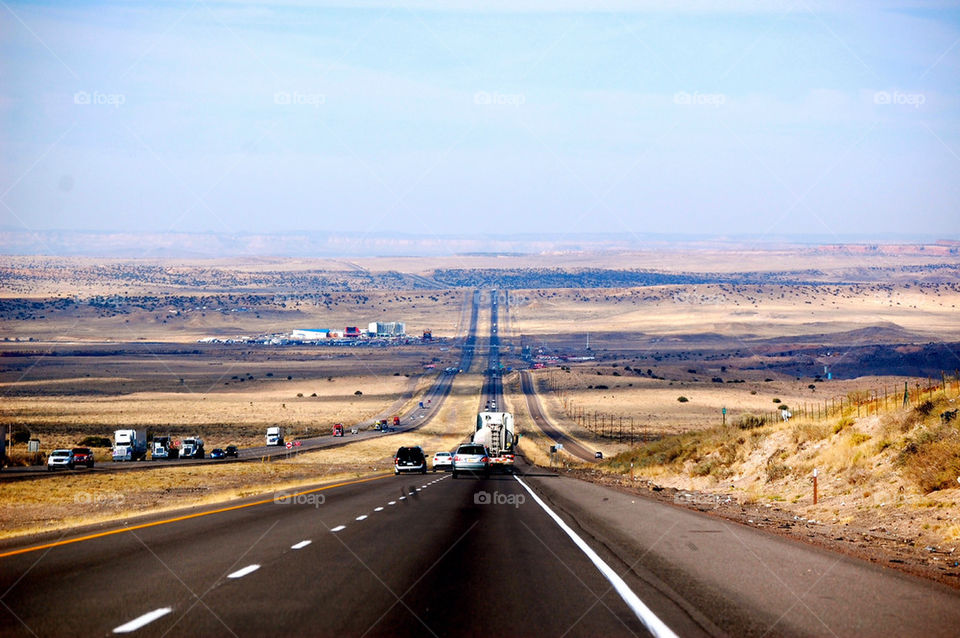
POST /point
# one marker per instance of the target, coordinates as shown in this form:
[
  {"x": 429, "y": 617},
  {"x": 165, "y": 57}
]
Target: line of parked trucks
[{"x": 132, "y": 445}]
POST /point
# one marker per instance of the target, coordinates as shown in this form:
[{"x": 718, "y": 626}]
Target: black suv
[{"x": 409, "y": 459}]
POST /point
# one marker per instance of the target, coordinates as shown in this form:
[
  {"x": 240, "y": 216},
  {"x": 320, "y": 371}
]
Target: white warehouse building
[{"x": 387, "y": 329}]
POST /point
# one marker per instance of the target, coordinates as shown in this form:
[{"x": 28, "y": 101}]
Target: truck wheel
[{"x": 454, "y": 474}]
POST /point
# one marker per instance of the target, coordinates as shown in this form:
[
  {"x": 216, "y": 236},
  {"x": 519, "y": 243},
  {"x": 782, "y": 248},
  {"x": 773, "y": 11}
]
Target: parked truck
[
  {"x": 275, "y": 435},
  {"x": 191, "y": 448},
  {"x": 129, "y": 445},
  {"x": 338, "y": 429},
  {"x": 163, "y": 448},
  {"x": 495, "y": 430}
]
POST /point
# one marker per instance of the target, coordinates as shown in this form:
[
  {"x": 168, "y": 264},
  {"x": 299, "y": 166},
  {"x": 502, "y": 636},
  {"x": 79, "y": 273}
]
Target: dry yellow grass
[
  {"x": 744, "y": 311},
  {"x": 77, "y": 499}
]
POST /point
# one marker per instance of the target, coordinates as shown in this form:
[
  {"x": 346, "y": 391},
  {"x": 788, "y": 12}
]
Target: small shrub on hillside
[
  {"x": 750, "y": 421},
  {"x": 776, "y": 471},
  {"x": 776, "y": 400},
  {"x": 95, "y": 441},
  {"x": 925, "y": 408},
  {"x": 844, "y": 422},
  {"x": 803, "y": 432},
  {"x": 859, "y": 437},
  {"x": 682, "y": 399},
  {"x": 931, "y": 459}
]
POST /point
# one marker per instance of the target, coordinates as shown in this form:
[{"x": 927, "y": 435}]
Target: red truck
[
  {"x": 396, "y": 420},
  {"x": 338, "y": 429}
]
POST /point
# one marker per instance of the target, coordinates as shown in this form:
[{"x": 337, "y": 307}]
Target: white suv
[{"x": 60, "y": 459}]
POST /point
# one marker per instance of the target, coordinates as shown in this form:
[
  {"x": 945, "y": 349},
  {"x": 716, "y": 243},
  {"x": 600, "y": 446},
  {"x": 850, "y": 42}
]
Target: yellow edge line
[{"x": 181, "y": 518}]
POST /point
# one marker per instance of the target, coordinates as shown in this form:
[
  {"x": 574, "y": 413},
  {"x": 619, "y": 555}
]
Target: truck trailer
[
  {"x": 191, "y": 448},
  {"x": 275, "y": 435},
  {"x": 129, "y": 445},
  {"x": 495, "y": 430},
  {"x": 163, "y": 448}
]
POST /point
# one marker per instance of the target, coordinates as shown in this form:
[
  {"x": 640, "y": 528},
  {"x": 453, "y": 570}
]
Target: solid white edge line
[
  {"x": 338, "y": 528},
  {"x": 650, "y": 620},
  {"x": 240, "y": 573},
  {"x": 300, "y": 545},
  {"x": 145, "y": 619}
]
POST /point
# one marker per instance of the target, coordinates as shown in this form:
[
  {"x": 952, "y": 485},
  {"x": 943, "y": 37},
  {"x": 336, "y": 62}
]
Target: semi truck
[
  {"x": 275, "y": 435},
  {"x": 163, "y": 448},
  {"x": 495, "y": 430},
  {"x": 191, "y": 448},
  {"x": 338, "y": 429},
  {"x": 129, "y": 445}
]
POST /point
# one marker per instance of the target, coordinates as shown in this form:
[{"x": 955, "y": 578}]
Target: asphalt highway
[
  {"x": 413, "y": 419},
  {"x": 533, "y": 554},
  {"x": 419, "y": 555},
  {"x": 570, "y": 445}
]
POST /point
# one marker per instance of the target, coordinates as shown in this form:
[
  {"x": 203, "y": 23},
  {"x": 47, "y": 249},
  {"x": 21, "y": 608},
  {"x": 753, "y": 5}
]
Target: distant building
[
  {"x": 351, "y": 332},
  {"x": 309, "y": 335},
  {"x": 387, "y": 329}
]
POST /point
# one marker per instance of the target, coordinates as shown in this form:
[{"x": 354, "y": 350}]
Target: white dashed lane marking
[
  {"x": 360, "y": 518},
  {"x": 378, "y": 509},
  {"x": 300, "y": 545},
  {"x": 338, "y": 528},
  {"x": 240, "y": 573},
  {"x": 143, "y": 620},
  {"x": 392, "y": 503}
]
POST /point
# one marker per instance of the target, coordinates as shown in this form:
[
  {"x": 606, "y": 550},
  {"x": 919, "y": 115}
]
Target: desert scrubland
[{"x": 90, "y": 345}]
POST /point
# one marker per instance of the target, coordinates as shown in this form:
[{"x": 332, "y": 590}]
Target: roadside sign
[
  {"x": 290, "y": 445},
  {"x": 298, "y": 443}
]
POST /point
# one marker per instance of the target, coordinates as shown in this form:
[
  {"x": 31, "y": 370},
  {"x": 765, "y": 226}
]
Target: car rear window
[
  {"x": 407, "y": 453},
  {"x": 471, "y": 449}
]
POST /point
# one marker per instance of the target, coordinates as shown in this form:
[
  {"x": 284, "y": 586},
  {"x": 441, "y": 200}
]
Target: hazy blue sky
[{"x": 380, "y": 115}]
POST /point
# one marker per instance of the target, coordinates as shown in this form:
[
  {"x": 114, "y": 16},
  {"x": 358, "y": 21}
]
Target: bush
[
  {"x": 859, "y": 437},
  {"x": 931, "y": 459},
  {"x": 358, "y": 393},
  {"x": 682, "y": 399},
  {"x": 749, "y": 421},
  {"x": 776, "y": 471},
  {"x": 95, "y": 441},
  {"x": 843, "y": 423},
  {"x": 776, "y": 400},
  {"x": 19, "y": 434}
]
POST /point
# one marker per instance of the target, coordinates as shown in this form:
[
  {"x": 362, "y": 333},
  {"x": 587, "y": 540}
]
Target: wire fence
[{"x": 859, "y": 403}]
